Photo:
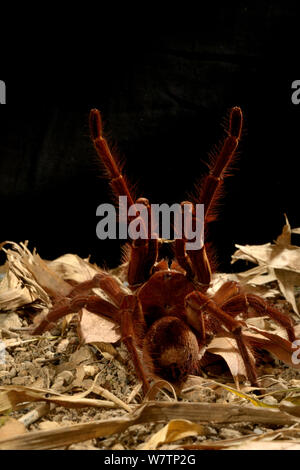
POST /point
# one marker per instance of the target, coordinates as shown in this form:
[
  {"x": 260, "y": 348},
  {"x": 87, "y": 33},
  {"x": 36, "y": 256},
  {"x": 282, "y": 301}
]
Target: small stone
[
  {"x": 26, "y": 365},
  {"x": 4, "y": 373},
  {"x": 229, "y": 433},
  {"x": 211, "y": 431},
  {"x": 10, "y": 320},
  {"x": 66, "y": 377},
  {"x": 22, "y": 380},
  {"x": 118, "y": 447},
  {"x": 12, "y": 372},
  {"x": 257, "y": 430},
  {"x": 49, "y": 355},
  {"x": 23, "y": 373},
  {"x": 55, "y": 331},
  {"x": 48, "y": 425},
  {"x": 90, "y": 371},
  {"x": 269, "y": 400},
  {"x": 62, "y": 346},
  {"x": 61, "y": 380}
]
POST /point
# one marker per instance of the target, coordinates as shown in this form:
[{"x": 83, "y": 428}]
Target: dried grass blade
[
  {"x": 150, "y": 412},
  {"x": 11, "y": 396}
]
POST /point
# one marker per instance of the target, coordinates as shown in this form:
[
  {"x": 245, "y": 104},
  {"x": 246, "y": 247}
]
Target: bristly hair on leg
[
  {"x": 209, "y": 189},
  {"x": 110, "y": 161}
]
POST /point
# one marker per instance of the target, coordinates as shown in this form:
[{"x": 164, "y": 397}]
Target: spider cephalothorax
[{"x": 165, "y": 312}]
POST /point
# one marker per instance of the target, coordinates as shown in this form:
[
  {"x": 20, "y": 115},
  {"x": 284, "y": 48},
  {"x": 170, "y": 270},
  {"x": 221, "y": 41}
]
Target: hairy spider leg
[
  {"x": 240, "y": 304},
  {"x": 117, "y": 181},
  {"x": 126, "y": 311},
  {"x": 104, "y": 281},
  {"x": 194, "y": 262},
  {"x": 198, "y": 306},
  {"x": 133, "y": 330},
  {"x": 210, "y": 188},
  {"x": 143, "y": 251},
  {"x": 93, "y": 303}
]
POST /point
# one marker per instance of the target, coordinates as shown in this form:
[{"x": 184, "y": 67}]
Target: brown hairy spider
[{"x": 165, "y": 314}]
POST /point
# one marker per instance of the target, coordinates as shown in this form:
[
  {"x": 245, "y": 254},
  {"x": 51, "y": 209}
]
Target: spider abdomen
[{"x": 171, "y": 349}]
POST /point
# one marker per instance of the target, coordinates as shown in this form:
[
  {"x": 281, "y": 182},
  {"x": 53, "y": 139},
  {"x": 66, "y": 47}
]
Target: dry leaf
[
  {"x": 12, "y": 427},
  {"x": 280, "y": 260},
  {"x": 151, "y": 412},
  {"x": 267, "y": 445},
  {"x": 97, "y": 329},
  {"x": 48, "y": 425},
  {"x": 72, "y": 268},
  {"x": 157, "y": 387},
  {"x": 287, "y": 281},
  {"x": 19, "y": 287},
  {"x": 174, "y": 431},
  {"x": 252, "y": 280},
  {"x": 227, "y": 348},
  {"x": 10, "y": 320},
  {"x": 46, "y": 277},
  {"x": 11, "y": 396}
]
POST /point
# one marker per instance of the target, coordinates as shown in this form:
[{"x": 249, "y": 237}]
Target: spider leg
[
  {"x": 82, "y": 296},
  {"x": 126, "y": 311},
  {"x": 117, "y": 180},
  {"x": 93, "y": 303},
  {"x": 132, "y": 330},
  {"x": 195, "y": 262},
  {"x": 210, "y": 189},
  {"x": 143, "y": 252},
  {"x": 227, "y": 290},
  {"x": 182, "y": 258},
  {"x": 197, "y": 305},
  {"x": 104, "y": 281},
  {"x": 240, "y": 303}
]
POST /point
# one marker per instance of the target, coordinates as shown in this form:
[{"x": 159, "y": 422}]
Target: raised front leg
[
  {"x": 143, "y": 251},
  {"x": 210, "y": 190},
  {"x": 117, "y": 180}
]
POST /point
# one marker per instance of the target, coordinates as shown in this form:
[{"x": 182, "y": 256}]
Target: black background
[{"x": 163, "y": 93}]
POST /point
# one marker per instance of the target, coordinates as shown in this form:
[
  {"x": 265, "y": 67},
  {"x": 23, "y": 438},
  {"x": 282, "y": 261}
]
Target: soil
[{"x": 57, "y": 362}]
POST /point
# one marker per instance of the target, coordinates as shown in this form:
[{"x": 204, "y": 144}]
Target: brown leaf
[
  {"x": 12, "y": 427},
  {"x": 227, "y": 348},
  {"x": 281, "y": 260},
  {"x": 11, "y": 396},
  {"x": 46, "y": 277},
  {"x": 268, "y": 445},
  {"x": 96, "y": 329},
  {"x": 73, "y": 268},
  {"x": 174, "y": 431},
  {"x": 151, "y": 412}
]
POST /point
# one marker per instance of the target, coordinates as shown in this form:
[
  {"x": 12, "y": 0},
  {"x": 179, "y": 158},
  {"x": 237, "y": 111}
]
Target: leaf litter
[{"x": 75, "y": 387}]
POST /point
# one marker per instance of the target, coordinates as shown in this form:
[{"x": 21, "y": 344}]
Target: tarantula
[{"x": 165, "y": 313}]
